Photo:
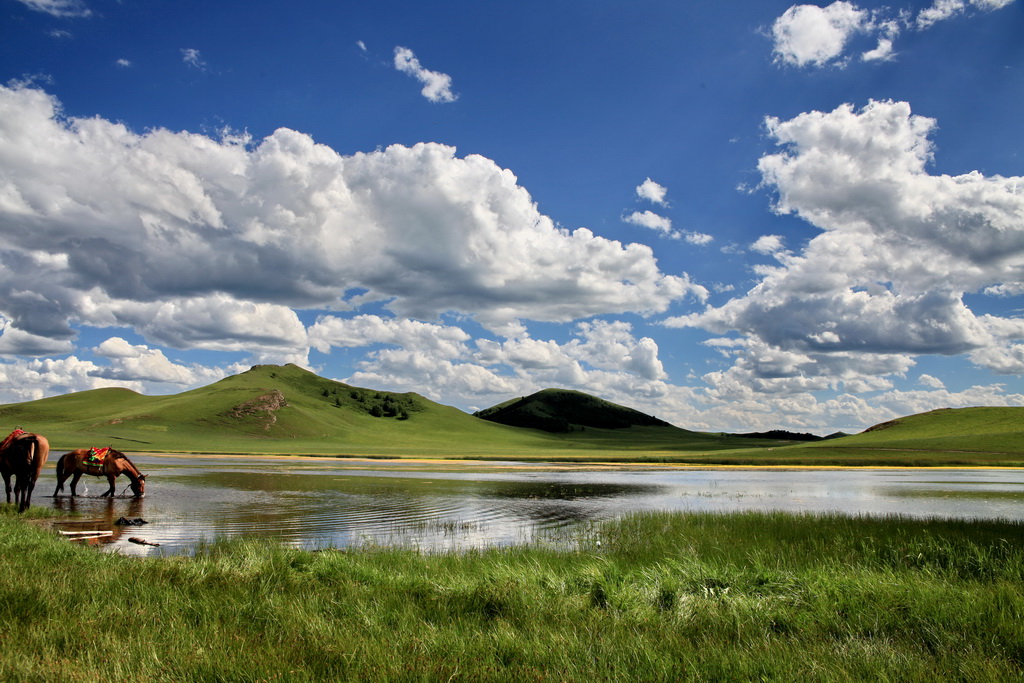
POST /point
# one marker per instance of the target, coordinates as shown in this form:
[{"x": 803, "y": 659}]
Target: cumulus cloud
[
  {"x": 198, "y": 242},
  {"x": 808, "y": 35},
  {"x": 652, "y": 192},
  {"x": 59, "y": 8},
  {"x": 768, "y": 244},
  {"x": 437, "y": 87},
  {"x": 885, "y": 279},
  {"x": 649, "y": 219},
  {"x": 365, "y": 330},
  {"x": 138, "y": 363},
  {"x": 931, "y": 382},
  {"x": 812, "y": 36}
]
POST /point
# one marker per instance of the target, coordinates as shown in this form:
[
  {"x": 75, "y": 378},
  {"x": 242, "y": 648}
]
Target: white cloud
[
  {"x": 437, "y": 87},
  {"x": 137, "y": 363},
  {"x": 885, "y": 279},
  {"x": 32, "y": 380},
  {"x": 808, "y": 35},
  {"x": 192, "y": 57},
  {"x": 203, "y": 243},
  {"x": 941, "y": 10},
  {"x": 652, "y": 192},
  {"x": 768, "y": 244},
  {"x": 123, "y": 63},
  {"x": 698, "y": 238},
  {"x": 882, "y": 53},
  {"x": 931, "y": 382},
  {"x": 365, "y": 330},
  {"x": 59, "y": 8},
  {"x": 649, "y": 219}
]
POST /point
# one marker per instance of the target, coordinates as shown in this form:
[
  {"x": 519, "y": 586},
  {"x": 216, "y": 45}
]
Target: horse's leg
[
  {"x": 26, "y": 493},
  {"x": 19, "y": 492},
  {"x": 74, "y": 483},
  {"x": 110, "y": 491},
  {"x": 7, "y": 485}
]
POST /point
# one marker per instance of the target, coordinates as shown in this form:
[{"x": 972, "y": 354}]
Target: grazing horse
[
  {"x": 22, "y": 454},
  {"x": 113, "y": 464}
]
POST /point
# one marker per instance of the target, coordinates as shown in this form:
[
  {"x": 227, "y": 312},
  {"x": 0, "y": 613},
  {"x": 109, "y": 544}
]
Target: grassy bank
[{"x": 655, "y": 597}]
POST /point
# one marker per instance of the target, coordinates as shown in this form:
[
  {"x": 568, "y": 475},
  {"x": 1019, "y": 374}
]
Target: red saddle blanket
[
  {"x": 96, "y": 455},
  {"x": 11, "y": 437}
]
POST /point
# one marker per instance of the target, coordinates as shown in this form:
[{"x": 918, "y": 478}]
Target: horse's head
[{"x": 139, "y": 486}]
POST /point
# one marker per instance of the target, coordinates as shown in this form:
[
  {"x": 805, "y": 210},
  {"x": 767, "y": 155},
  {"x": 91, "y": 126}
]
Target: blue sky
[{"x": 736, "y": 216}]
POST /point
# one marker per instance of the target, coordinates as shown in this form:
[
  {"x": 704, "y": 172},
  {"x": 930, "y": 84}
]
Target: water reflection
[{"x": 319, "y": 503}]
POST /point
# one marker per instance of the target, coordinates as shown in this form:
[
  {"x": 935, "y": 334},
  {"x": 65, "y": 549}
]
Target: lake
[{"x": 318, "y": 503}]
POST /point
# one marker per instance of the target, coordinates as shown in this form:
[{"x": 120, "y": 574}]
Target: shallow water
[{"x": 315, "y": 503}]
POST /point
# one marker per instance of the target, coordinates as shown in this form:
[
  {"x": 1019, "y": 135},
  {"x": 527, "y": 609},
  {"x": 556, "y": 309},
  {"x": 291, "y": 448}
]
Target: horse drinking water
[
  {"x": 22, "y": 454},
  {"x": 98, "y": 463}
]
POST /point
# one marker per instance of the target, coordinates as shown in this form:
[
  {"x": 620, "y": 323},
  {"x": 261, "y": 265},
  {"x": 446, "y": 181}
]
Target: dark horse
[
  {"x": 113, "y": 464},
  {"x": 22, "y": 454}
]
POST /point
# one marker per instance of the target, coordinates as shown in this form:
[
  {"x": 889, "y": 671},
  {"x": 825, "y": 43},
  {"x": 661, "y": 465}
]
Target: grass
[{"x": 745, "y": 596}]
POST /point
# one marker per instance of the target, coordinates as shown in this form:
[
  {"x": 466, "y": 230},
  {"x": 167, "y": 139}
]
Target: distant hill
[
  {"x": 562, "y": 410},
  {"x": 782, "y": 435}
]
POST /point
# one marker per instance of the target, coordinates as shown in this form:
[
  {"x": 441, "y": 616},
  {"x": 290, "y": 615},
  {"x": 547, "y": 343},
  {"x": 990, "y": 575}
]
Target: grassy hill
[
  {"x": 285, "y": 409},
  {"x": 990, "y": 436},
  {"x": 562, "y": 411}
]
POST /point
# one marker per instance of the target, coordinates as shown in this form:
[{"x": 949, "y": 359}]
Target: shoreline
[{"x": 368, "y": 462}]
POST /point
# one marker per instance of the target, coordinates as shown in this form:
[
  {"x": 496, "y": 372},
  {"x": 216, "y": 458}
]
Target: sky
[{"x": 736, "y": 216}]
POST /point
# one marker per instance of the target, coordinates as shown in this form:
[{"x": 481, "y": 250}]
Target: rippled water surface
[{"x": 337, "y": 503}]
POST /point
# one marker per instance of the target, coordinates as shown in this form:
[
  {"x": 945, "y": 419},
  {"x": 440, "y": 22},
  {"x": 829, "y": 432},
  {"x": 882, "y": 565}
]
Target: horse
[
  {"x": 115, "y": 463},
  {"x": 22, "y": 454}
]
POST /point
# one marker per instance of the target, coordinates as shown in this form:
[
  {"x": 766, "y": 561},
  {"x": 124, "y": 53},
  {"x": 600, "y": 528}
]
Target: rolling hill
[
  {"x": 561, "y": 411},
  {"x": 285, "y": 409}
]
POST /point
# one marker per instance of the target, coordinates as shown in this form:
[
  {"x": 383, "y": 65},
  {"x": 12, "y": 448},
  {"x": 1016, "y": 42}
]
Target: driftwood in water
[{"x": 141, "y": 541}]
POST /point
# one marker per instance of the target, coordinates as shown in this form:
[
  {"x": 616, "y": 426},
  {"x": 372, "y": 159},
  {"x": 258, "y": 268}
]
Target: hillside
[
  {"x": 562, "y": 410},
  {"x": 285, "y": 409},
  {"x": 981, "y": 436},
  {"x": 993, "y": 430}
]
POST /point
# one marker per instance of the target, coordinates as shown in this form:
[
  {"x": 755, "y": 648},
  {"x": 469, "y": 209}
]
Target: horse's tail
[{"x": 60, "y": 475}]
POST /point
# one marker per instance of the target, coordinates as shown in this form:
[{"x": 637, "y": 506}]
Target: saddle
[
  {"x": 18, "y": 431},
  {"x": 95, "y": 456}
]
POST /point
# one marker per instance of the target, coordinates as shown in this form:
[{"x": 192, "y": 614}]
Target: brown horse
[
  {"x": 114, "y": 463},
  {"x": 22, "y": 455}
]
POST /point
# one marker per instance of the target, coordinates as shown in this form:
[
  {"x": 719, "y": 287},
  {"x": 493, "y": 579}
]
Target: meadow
[{"x": 654, "y": 596}]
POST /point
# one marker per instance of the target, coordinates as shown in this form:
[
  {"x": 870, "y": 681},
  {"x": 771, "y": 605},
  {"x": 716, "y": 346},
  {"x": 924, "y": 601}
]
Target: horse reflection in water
[
  {"x": 114, "y": 463},
  {"x": 100, "y": 517}
]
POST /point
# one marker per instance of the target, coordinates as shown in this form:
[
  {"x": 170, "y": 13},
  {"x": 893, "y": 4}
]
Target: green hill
[
  {"x": 288, "y": 410},
  {"x": 562, "y": 410},
  {"x": 984, "y": 436},
  {"x": 285, "y": 409}
]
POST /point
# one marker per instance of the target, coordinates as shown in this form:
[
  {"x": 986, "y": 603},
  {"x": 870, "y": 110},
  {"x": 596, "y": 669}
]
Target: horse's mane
[{"x": 118, "y": 455}]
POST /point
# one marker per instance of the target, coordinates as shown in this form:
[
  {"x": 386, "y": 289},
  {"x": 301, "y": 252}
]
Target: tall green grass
[{"x": 746, "y": 596}]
